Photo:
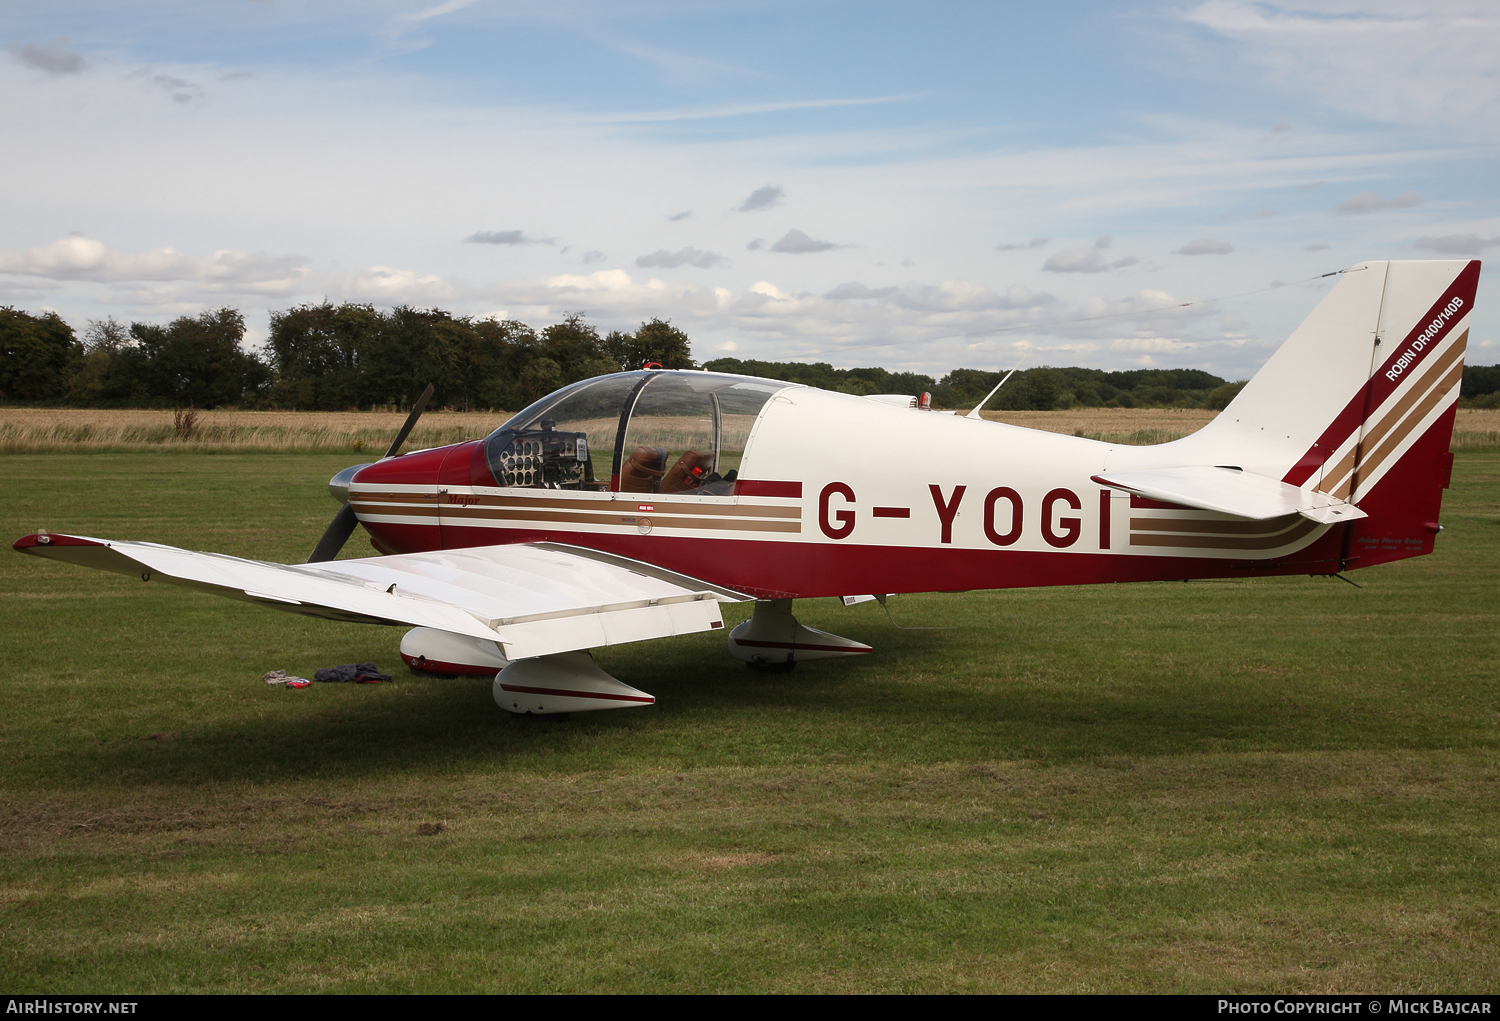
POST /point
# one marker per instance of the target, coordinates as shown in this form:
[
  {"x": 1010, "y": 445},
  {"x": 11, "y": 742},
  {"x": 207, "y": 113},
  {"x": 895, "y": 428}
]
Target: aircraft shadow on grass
[{"x": 892, "y": 707}]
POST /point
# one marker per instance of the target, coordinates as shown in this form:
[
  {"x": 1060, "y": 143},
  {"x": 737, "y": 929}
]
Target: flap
[
  {"x": 1231, "y": 491},
  {"x": 534, "y": 599}
]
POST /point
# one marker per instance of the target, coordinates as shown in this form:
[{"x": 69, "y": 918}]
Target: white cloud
[
  {"x": 88, "y": 259},
  {"x": 1384, "y": 60},
  {"x": 602, "y": 280},
  {"x": 1076, "y": 260},
  {"x": 794, "y": 242},
  {"x": 1370, "y": 202},
  {"x": 1151, "y": 345},
  {"x": 723, "y": 110},
  {"x": 853, "y": 290},
  {"x": 505, "y": 237},
  {"x": 1206, "y": 246},
  {"x": 1033, "y": 243},
  {"x": 683, "y": 257},
  {"x": 767, "y": 197},
  {"x": 447, "y": 7},
  {"x": 386, "y": 286},
  {"x": 180, "y": 89},
  {"x": 959, "y": 295},
  {"x": 1457, "y": 244}
]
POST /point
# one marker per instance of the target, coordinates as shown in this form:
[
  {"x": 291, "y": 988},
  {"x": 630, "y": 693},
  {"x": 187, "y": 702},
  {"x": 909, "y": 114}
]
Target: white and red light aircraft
[{"x": 628, "y": 506}]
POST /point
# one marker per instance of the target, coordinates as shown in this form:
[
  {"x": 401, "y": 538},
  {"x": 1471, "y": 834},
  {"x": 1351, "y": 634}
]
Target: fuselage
[{"x": 832, "y": 494}]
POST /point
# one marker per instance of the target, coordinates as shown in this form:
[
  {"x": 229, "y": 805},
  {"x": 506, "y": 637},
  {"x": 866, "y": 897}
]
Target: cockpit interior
[{"x": 663, "y": 432}]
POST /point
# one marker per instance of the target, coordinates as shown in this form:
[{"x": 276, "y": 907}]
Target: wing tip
[{"x": 43, "y": 540}]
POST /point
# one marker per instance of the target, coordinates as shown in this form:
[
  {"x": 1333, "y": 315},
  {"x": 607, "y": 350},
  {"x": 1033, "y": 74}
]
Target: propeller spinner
[{"x": 343, "y": 523}]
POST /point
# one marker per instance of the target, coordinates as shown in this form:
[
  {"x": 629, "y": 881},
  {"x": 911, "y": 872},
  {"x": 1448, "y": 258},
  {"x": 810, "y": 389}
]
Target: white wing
[{"x": 533, "y": 599}]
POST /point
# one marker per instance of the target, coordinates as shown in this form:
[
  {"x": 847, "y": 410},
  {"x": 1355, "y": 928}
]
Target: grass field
[{"x": 1250, "y": 785}]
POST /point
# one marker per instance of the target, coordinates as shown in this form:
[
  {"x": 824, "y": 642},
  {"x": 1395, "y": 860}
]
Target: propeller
[{"x": 343, "y": 524}]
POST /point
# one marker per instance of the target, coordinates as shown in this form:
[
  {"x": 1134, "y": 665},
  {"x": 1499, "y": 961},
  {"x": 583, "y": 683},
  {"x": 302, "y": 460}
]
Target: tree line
[
  {"x": 1039, "y": 389},
  {"x": 322, "y": 357},
  {"x": 329, "y": 357}
]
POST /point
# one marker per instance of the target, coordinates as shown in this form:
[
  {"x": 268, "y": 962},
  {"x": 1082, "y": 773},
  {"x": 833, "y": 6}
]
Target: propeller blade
[
  {"x": 345, "y": 521},
  {"x": 338, "y": 532},
  {"x": 411, "y": 421}
]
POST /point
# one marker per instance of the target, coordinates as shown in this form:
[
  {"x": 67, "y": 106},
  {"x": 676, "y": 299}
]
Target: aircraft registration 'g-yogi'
[{"x": 629, "y": 506}]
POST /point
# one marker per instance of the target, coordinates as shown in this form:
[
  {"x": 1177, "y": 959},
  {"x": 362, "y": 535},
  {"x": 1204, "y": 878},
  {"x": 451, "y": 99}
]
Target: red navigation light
[{"x": 924, "y": 403}]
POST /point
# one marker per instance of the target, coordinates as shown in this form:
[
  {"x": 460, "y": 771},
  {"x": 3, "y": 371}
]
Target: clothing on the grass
[{"x": 357, "y": 673}]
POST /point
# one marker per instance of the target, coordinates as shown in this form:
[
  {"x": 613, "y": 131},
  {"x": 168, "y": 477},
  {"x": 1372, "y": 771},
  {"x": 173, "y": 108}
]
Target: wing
[
  {"x": 533, "y": 599},
  {"x": 1231, "y": 491}
]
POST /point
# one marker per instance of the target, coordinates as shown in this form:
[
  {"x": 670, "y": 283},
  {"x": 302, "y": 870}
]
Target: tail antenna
[{"x": 975, "y": 413}]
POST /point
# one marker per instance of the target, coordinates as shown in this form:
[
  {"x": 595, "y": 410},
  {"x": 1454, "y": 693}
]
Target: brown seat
[
  {"x": 689, "y": 472},
  {"x": 642, "y": 469}
]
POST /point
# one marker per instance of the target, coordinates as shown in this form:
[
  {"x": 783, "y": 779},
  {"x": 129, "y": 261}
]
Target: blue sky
[{"x": 909, "y": 185}]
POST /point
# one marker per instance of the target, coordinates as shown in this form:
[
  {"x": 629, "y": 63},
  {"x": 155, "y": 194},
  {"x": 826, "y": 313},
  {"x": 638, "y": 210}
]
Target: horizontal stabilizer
[
  {"x": 1231, "y": 491},
  {"x": 532, "y": 599}
]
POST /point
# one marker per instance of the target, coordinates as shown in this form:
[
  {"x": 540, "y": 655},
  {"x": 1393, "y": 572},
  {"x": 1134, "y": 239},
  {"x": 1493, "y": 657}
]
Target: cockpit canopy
[{"x": 633, "y": 432}]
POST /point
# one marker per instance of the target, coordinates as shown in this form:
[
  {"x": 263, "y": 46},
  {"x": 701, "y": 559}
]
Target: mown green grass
[{"x": 1267, "y": 784}]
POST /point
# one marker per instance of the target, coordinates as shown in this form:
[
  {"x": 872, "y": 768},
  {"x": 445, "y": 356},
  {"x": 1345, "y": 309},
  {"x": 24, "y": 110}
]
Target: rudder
[{"x": 1360, "y": 401}]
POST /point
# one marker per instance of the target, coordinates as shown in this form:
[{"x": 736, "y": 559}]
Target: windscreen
[
  {"x": 565, "y": 440},
  {"x": 684, "y": 433}
]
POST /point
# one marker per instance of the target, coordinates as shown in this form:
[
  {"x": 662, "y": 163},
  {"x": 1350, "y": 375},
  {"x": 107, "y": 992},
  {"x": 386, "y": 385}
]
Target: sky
[{"x": 919, "y": 186}]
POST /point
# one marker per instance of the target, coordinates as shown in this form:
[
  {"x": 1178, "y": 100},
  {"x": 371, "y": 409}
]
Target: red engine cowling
[{"x": 398, "y": 499}]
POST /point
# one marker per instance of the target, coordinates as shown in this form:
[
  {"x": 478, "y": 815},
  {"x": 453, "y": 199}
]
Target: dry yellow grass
[
  {"x": 1113, "y": 425},
  {"x": 64, "y": 430},
  {"x": 1475, "y": 428},
  {"x": 58, "y": 430}
]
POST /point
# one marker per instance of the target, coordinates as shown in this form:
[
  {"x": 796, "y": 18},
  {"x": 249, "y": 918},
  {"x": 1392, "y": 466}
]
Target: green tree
[
  {"x": 503, "y": 347},
  {"x": 411, "y": 348},
  {"x": 1220, "y": 396},
  {"x": 103, "y": 342},
  {"x": 198, "y": 360},
  {"x": 38, "y": 356},
  {"x": 539, "y": 378},
  {"x": 577, "y": 349},
  {"x": 314, "y": 354},
  {"x": 1479, "y": 380},
  {"x": 656, "y": 341}
]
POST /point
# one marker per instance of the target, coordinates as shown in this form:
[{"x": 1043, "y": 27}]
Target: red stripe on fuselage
[
  {"x": 783, "y": 570},
  {"x": 759, "y": 487}
]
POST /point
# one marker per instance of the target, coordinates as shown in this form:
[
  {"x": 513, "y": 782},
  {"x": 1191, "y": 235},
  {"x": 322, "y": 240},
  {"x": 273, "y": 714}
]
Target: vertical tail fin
[{"x": 1359, "y": 402}]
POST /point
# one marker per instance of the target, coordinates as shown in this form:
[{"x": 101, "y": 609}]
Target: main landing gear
[{"x": 772, "y": 640}]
